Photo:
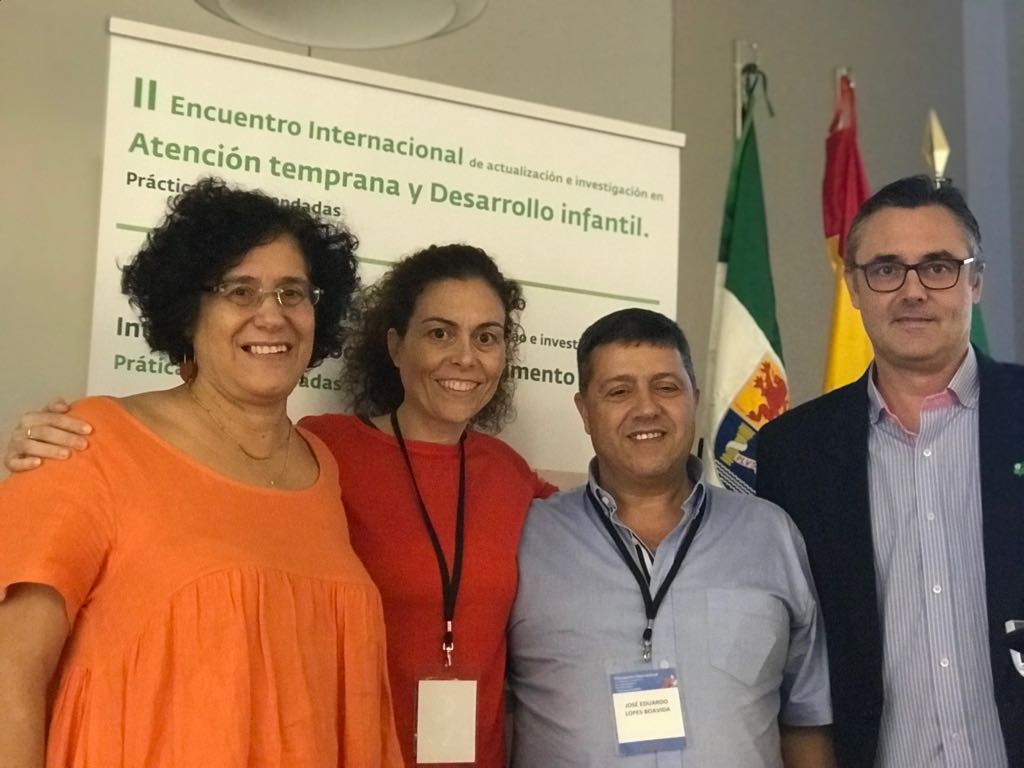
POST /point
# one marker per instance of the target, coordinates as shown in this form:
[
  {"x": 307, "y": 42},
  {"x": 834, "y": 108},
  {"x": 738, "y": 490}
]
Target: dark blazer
[{"x": 813, "y": 462}]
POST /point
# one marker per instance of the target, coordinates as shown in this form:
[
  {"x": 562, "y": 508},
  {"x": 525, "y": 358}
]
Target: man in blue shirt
[{"x": 660, "y": 621}]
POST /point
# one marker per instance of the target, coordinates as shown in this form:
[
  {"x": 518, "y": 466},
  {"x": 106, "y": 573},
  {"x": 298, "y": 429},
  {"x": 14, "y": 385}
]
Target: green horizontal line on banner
[
  {"x": 378, "y": 262},
  {"x": 549, "y": 286},
  {"x": 587, "y": 292},
  {"x": 545, "y": 286}
]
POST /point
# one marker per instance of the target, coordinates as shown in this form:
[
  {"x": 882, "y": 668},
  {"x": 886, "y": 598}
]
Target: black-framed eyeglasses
[
  {"x": 934, "y": 274},
  {"x": 249, "y": 295}
]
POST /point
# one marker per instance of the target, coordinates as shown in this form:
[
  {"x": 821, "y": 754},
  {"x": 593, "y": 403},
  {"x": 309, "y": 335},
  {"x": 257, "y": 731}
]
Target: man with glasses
[{"x": 908, "y": 486}]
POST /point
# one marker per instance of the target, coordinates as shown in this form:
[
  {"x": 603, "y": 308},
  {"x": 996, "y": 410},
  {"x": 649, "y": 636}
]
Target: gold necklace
[{"x": 273, "y": 481}]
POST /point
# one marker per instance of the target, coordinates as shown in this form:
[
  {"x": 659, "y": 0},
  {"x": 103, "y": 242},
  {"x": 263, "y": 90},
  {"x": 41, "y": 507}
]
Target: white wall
[
  {"x": 989, "y": 142},
  {"x": 1015, "y": 77}
]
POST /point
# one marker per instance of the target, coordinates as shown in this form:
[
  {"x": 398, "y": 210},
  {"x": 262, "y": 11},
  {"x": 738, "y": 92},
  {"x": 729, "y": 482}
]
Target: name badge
[
  {"x": 446, "y": 721},
  {"x": 648, "y": 711}
]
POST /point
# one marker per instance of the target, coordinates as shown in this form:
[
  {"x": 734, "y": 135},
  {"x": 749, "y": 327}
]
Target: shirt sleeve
[
  {"x": 56, "y": 528},
  {"x": 540, "y": 488},
  {"x": 806, "y": 696}
]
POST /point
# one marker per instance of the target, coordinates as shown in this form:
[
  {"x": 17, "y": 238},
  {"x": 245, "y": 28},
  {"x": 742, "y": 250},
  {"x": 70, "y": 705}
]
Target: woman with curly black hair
[
  {"x": 187, "y": 585},
  {"x": 426, "y": 490},
  {"x": 435, "y": 505}
]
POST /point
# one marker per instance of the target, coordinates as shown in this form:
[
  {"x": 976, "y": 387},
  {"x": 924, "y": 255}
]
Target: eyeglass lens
[
  {"x": 937, "y": 274},
  {"x": 246, "y": 295}
]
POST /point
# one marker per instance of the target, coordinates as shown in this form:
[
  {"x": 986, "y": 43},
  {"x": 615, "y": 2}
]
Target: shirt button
[
  {"x": 943, "y": 663},
  {"x": 930, "y": 516},
  {"x": 927, "y": 452},
  {"x": 937, "y": 589}
]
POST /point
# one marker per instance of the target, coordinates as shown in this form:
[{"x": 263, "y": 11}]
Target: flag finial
[{"x": 936, "y": 148}]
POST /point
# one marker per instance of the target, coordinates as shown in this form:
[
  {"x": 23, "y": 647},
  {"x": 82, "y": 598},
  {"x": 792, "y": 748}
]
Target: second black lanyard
[
  {"x": 651, "y": 603},
  {"x": 450, "y": 579}
]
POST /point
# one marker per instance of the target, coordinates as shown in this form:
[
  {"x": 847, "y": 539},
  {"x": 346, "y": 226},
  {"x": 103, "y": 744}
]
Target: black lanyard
[
  {"x": 651, "y": 605},
  {"x": 449, "y": 583}
]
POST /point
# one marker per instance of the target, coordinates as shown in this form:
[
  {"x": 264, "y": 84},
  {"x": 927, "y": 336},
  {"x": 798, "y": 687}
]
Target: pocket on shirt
[{"x": 748, "y": 633}]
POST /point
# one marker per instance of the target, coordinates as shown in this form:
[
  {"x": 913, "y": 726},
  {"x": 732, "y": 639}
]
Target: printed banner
[{"x": 582, "y": 210}]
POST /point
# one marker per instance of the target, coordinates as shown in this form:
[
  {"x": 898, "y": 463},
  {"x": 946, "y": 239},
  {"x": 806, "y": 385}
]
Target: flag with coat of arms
[{"x": 748, "y": 382}]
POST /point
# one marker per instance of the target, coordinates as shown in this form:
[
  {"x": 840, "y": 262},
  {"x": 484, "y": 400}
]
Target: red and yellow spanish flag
[{"x": 844, "y": 189}]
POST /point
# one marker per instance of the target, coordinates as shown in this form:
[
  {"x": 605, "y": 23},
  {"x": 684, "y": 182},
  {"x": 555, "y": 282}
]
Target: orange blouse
[{"x": 213, "y": 623}]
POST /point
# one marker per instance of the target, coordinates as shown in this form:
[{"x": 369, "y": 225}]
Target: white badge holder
[
  {"x": 647, "y": 707},
  {"x": 446, "y": 722}
]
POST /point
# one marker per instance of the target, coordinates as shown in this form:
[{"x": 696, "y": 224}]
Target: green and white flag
[
  {"x": 748, "y": 382},
  {"x": 979, "y": 336}
]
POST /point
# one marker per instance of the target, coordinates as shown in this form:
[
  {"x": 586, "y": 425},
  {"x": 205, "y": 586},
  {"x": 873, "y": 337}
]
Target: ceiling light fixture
[{"x": 351, "y": 24}]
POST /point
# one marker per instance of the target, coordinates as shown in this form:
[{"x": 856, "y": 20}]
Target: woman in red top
[{"x": 427, "y": 367}]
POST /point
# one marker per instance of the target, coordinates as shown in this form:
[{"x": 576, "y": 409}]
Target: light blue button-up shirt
[
  {"x": 739, "y": 624},
  {"x": 926, "y": 525}
]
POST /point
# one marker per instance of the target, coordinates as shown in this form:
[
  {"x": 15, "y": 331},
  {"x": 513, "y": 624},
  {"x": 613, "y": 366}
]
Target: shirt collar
[
  {"x": 964, "y": 383},
  {"x": 963, "y": 388},
  {"x": 694, "y": 471}
]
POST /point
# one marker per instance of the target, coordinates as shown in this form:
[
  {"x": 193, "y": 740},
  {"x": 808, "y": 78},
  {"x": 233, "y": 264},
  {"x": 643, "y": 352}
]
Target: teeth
[
  {"x": 267, "y": 349},
  {"x": 457, "y": 385},
  {"x": 645, "y": 435}
]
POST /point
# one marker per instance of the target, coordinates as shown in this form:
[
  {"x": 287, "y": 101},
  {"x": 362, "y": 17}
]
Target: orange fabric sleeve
[{"x": 55, "y": 528}]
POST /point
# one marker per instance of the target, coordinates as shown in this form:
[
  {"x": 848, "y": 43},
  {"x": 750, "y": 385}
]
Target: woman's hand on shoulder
[{"x": 46, "y": 434}]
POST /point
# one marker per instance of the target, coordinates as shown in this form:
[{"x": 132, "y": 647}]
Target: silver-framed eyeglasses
[
  {"x": 243, "y": 294},
  {"x": 934, "y": 274}
]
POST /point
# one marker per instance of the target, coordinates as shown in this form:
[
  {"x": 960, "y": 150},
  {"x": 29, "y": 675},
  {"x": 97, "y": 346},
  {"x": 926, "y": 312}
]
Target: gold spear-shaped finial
[{"x": 936, "y": 148}]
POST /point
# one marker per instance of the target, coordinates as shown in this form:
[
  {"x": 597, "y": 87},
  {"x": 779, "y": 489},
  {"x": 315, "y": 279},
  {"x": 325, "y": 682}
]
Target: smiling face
[
  {"x": 256, "y": 354},
  {"x": 639, "y": 409},
  {"x": 915, "y": 328},
  {"x": 450, "y": 359}
]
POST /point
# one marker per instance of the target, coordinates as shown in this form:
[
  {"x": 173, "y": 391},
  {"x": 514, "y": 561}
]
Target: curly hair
[
  {"x": 370, "y": 380},
  {"x": 209, "y": 229}
]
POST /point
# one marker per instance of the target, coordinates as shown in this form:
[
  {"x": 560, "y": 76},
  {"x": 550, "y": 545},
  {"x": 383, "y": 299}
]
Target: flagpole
[
  {"x": 840, "y": 73},
  {"x": 936, "y": 154},
  {"x": 741, "y": 49},
  {"x": 739, "y": 60},
  {"x": 747, "y": 381},
  {"x": 844, "y": 189},
  {"x": 737, "y": 87},
  {"x": 936, "y": 149}
]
